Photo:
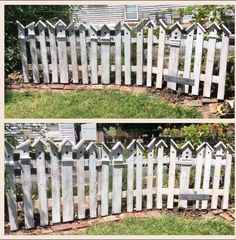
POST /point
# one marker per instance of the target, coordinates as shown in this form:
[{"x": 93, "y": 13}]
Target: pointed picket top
[
  {"x": 91, "y": 147},
  {"x": 40, "y": 24},
  {"x": 140, "y": 25},
  {"x": 118, "y": 145},
  {"x": 82, "y": 27},
  {"x": 71, "y": 25},
  {"x": 161, "y": 143},
  {"x": 66, "y": 142},
  {"x": 23, "y": 144},
  {"x": 20, "y": 25},
  {"x": 220, "y": 145},
  {"x": 79, "y": 144},
  {"x": 118, "y": 25},
  {"x": 8, "y": 152},
  {"x": 106, "y": 152},
  {"x": 204, "y": 144},
  {"x": 131, "y": 145},
  {"x": 31, "y": 30},
  {"x": 8, "y": 146},
  {"x": 225, "y": 30},
  {"x": 189, "y": 145},
  {"x": 172, "y": 143},
  {"x": 151, "y": 145},
  {"x": 162, "y": 23},
  {"x": 50, "y": 25},
  {"x": 150, "y": 24},
  {"x": 138, "y": 144},
  {"x": 106, "y": 148},
  {"x": 38, "y": 142},
  {"x": 230, "y": 149},
  {"x": 201, "y": 27},
  {"x": 190, "y": 28},
  {"x": 31, "y": 25},
  {"x": 60, "y": 23},
  {"x": 105, "y": 27},
  {"x": 93, "y": 28},
  {"x": 127, "y": 27},
  {"x": 176, "y": 25},
  {"x": 52, "y": 144},
  {"x": 214, "y": 26}
]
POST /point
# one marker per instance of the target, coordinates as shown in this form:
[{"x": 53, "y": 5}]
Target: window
[{"x": 131, "y": 12}]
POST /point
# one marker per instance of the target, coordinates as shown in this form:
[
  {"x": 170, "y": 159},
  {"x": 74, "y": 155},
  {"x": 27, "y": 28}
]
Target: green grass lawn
[
  {"x": 92, "y": 104},
  {"x": 164, "y": 225}
]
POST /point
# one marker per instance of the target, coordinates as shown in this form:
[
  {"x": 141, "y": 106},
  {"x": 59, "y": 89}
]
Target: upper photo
[{"x": 119, "y": 61}]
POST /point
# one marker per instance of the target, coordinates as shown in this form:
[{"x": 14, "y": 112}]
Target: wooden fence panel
[
  {"x": 139, "y": 54},
  {"x": 94, "y": 54},
  {"x": 127, "y": 53},
  {"x": 118, "y": 53}
]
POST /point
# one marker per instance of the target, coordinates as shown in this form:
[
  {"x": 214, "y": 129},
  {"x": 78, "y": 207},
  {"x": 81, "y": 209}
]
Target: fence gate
[
  {"x": 63, "y": 180},
  {"x": 147, "y": 55}
]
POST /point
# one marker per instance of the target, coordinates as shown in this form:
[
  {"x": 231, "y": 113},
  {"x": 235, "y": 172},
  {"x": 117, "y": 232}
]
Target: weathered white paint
[
  {"x": 93, "y": 54},
  {"x": 118, "y": 53},
  {"x": 127, "y": 46}
]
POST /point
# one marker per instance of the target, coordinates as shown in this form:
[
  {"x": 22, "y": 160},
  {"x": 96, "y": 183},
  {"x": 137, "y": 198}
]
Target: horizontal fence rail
[
  {"x": 85, "y": 54},
  {"x": 87, "y": 180}
]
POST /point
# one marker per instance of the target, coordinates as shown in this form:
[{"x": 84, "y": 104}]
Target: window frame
[{"x": 137, "y": 13}]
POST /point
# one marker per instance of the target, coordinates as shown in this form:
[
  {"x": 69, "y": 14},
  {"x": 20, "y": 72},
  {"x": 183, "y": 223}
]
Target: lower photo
[{"x": 119, "y": 179}]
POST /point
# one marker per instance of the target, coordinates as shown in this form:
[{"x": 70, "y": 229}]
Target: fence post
[
  {"x": 207, "y": 173},
  {"x": 161, "y": 53},
  {"x": 106, "y": 152},
  {"x": 83, "y": 49},
  {"x": 118, "y": 53},
  {"x": 171, "y": 179},
  {"x": 80, "y": 178},
  {"x": 214, "y": 28},
  {"x": 139, "y": 57},
  {"x": 198, "y": 58},
  {"x": 43, "y": 49},
  {"x": 93, "y": 54},
  {"x": 118, "y": 163},
  {"x": 105, "y": 54},
  {"x": 10, "y": 186},
  {"x": 150, "y": 159},
  {"x": 229, "y": 156},
  {"x": 91, "y": 148},
  {"x": 159, "y": 178},
  {"x": 130, "y": 176},
  {"x": 175, "y": 42},
  {"x": 41, "y": 180},
  {"x": 26, "y": 183},
  {"x": 186, "y": 164},
  {"x": 199, "y": 163},
  {"x": 219, "y": 148},
  {"x": 127, "y": 45},
  {"x": 151, "y": 25},
  {"x": 73, "y": 51},
  {"x": 21, "y": 37},
  {"x": 62, "y": 51},
  {"x": 223, "y": 62},
  {"x": 139, "y": 175},
  {"x": 188, "y": 53},
  {"x": 55, "y": 178},
  {"x": 67, "y": 180},
  {"x": 53, "y": 51},
  {"x": 33, "y": 52}
]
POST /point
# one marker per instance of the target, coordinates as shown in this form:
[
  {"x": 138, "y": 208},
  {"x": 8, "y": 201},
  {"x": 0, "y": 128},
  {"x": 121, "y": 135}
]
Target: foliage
[
  {"x": 163, "y": 225},
  {"x": 92, "y": 104},
  {"x": 27, "y": 14}
]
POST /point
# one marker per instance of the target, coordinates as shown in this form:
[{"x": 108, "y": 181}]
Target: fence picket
[
  {"x": 161, "y": 52},
  {"x": 21, "y": 37},
  {"x": 43, "y": 50},
  {"x": 150, "y": 147},
  {"x": 33, "y": 52},
  {"x": 171, "y": 179},
  {"x": 62, "y": 51},
  {"x": 198, "y": 58},
  {"x": 127, "y": 45},
  {"x": 80, "y": 178},
  {"x": 186, "y": 163},
  {"x": 73, "y": 51},
  {"x": 188, "y": 53},
  {"x": 105, "y": 54},
  {"x": 67, "y": 180},
  {"x": 93, "y": 54},
  {"x": 53, "y": 51},
  {"x": 139, "y": 175},
  {"x": 118, "y": 162},
  {"x": 175, "y": 42},
  {"x": 26, "y": 183},
  {"x": 223, "y": 59},
  {"x": 210, "y": 59},
  {"x": 118, "y": 53},
  {"x": 92, "y": 180},
  {"x": 10, "y": 186},
  {"x": 55, "y": 178},
  {"x": 159, "y": 178},
  {"x": 219, "y": 148}
]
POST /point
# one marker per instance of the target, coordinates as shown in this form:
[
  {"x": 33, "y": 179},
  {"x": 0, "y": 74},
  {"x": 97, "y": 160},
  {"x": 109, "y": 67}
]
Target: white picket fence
[
  {"x": 89, "y": 55},
  {"x": 111, "y": 181}
]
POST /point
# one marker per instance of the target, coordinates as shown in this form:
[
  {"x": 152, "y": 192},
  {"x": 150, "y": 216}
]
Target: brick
[
  {"x": 75, "y": 225},
  {"x": 97, "y": 86},
  {"x": 46, "y": 231},
  {"x": 126, "y": 215},
  {"x": 62, "y": 227},
  {"x": 212, "y": 107},
  {"x": 154, "y": 213},
  {"x": 126, "y": 88},
  {"x": 69, "y": 87},
  {"x": 217, "y": 211},
  {"x": 139, "y": 90},
  {"x": 113, "y": 87},
  {"x": 82, "y": 87},
  {"x": 56, "y": 90},
  {"x": 207, "y": 100},
  {"x": 209, "y": 215},
  {"x": 140, "y": 214},
  {"x": 226, "y": 216},
  {"x": 111, "y": 218},
  {"x": 56, "y": 86},
  {"x": 83, "y": 224},
  {"x": 14, "y": 86}
]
